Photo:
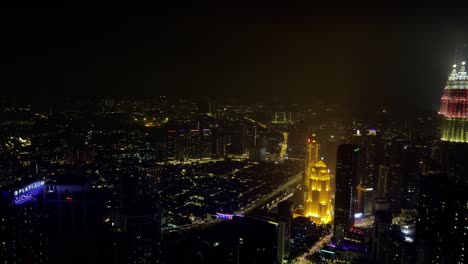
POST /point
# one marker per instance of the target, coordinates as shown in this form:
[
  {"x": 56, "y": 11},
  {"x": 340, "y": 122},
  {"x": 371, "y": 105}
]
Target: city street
[{"x": 303, "y": 259}]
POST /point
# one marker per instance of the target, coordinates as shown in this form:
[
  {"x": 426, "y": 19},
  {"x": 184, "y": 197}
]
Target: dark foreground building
[
  {"x": 346, "y": 181},
  {"x": 53, "y": 222},
  {"x": 262, "y": 239},
  {"x": 442, "y": 225}
]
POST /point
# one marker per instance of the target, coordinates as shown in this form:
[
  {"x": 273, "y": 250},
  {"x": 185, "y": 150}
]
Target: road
[
  {"x": 296, "y": 179},
  {"x": 276, "y": 202},
  {"x": 203, "y": 224},
  {"x": 315, "y": 248}
]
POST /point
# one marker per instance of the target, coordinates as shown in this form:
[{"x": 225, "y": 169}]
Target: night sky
[{"x": 389, "y": 56}]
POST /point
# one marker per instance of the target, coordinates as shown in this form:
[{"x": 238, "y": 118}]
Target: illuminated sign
[
  {"x": 356, "y": 231},
  {"x": 28, "y": 188},
  {"x": 227, "y": 216},
  {"x": 27, "y": 192},
  {"x": 224, "y": 216},
  {"x": 358, "y": 215}
]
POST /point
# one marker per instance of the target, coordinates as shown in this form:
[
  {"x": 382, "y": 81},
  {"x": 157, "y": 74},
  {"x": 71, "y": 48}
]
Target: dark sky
[{"x": 396, "y": 56}]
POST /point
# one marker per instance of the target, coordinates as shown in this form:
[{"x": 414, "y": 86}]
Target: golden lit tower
[
  {"x": 312, "y": 157},
  {"x": 317, "y": 181}
]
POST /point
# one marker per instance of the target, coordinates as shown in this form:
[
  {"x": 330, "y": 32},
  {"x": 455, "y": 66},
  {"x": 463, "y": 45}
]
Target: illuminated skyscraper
[
  {"x": 454, "y": 126},
  {"x": 442, "y": 203},
  {"x": 317, "y": 181},
  {"x": 454, "y": 107}
]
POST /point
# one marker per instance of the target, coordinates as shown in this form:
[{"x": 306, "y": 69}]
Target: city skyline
[{"x": 286, "y": 134}]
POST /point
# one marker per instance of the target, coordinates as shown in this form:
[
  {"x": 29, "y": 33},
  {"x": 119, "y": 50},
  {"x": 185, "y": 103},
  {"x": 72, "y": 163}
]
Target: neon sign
[
  {"x": 358, "y": 215},
  {"x": 29, "y": 187},
  {"x": 224, "y": 216},
  {"x": 28, "y": 192},
  {"x": 227, "y": 216}
]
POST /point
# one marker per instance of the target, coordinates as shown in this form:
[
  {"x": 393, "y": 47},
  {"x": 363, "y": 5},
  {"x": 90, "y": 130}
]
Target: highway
[
  {"x": 203, "y": 224},
  {"x": 296, "y": 179}
]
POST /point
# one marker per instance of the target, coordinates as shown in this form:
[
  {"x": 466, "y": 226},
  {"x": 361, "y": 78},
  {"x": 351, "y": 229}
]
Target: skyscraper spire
[
  {"x": 454, "y": 107},
  {"x": 462, "y": 77},
  {"x": 452, "y": 78},
  {"x": 453, "y": 74}
]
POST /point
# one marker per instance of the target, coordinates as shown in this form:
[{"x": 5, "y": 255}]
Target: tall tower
[
  {"x": 442, "y": 205},
  {"x": 317, "y": 181},
  {"x": 454, "y": 107},
  {"x": 312, "y": 154}
]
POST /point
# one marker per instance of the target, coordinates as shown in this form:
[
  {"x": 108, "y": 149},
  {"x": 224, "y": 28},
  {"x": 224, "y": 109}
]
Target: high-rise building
[
  {"x": 108, "y": 104},
  {"x": 312, "y": 158},
  {"x": 441, "y": 226},
  {"x": 383, "y": 182},
  {"x": 365, "y": 197},
  {"x": 370, "y": 156},
  {"x": 318, "y": 196},
  {"x": 193, "y": 144},
  {"x": 454, "y": 107},
  {"x": 218, "y": 146},
  {"x": 442, "y": 209},
  {"x": 388, "y": 243},
  {"x": 211, "y": 107},
  {"x": 23, "y": 236},
  {"x": 346, "y": 180},
  {"x": 396, "y": 179},
  {"x": 206, "y": 143},
  {"x": 262, "y": 239},
  {"x": 53, "y": 222},
  {"x": 172, "y": 144},
  {"x": 189, "y": 144},
  {"x": 410, "y": 172},
  {"x": 454, "y": 127}
]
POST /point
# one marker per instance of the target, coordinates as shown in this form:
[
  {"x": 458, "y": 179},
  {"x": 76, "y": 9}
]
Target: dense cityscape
[
  {"x": 279, "y": 135},
  {"x": 140, "y": 180}
]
